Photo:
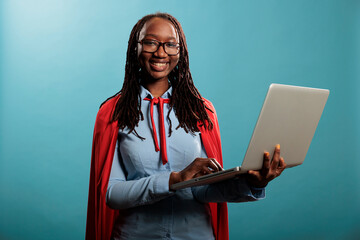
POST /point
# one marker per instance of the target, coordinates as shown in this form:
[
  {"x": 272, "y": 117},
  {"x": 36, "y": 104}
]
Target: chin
[{"x": 157, "y": 75}]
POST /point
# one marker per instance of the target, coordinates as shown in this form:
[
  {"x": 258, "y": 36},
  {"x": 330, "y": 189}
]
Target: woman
[{"x": 155, "y": 132}]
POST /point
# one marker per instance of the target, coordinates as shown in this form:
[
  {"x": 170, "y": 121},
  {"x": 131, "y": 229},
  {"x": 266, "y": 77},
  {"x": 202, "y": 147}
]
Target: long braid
[{"x": 186, "y": 100}]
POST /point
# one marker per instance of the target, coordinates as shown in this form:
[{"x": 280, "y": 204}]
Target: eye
[
  {"x": 171, "y": 45},
  {"x": 149, "y": 43}
]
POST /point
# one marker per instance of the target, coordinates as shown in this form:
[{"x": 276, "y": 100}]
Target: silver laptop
[{"x": 289, "y": 117}]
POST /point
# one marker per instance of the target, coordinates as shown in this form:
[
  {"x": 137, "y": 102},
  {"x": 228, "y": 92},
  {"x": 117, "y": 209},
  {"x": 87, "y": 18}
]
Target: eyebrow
[{"x": 156, "y": 36}]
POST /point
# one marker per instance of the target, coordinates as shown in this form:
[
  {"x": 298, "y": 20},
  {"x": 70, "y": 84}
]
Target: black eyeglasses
[{"x": 152, "y": 46}]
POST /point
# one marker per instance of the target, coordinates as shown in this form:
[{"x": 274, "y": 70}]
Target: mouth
[{"x": 159, "y": 66}]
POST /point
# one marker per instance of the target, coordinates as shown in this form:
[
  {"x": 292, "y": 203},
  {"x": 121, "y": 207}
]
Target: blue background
[{"x": 61, "y": 59}]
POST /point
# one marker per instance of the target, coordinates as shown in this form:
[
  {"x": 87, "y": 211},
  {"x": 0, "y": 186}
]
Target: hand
[
  {"x": 199, "y": 167},
  {"x": 269, "y": 171}
]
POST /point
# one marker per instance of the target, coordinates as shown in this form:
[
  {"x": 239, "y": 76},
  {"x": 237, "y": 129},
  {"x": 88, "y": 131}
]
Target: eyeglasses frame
[{"x": 163, "y": 46}]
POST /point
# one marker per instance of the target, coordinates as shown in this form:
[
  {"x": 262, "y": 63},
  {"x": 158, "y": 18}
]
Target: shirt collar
[{"x": 144, "y": 93}]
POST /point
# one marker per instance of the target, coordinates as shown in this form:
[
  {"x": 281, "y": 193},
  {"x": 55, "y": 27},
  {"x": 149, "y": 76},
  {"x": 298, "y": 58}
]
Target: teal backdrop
[{"x": 61, "y": 59}]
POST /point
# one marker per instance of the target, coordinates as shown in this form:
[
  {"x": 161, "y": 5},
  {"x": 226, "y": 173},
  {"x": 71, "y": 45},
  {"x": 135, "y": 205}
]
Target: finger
[
  {"x": 198, "y": 163},
  {"x": 212, "y": 165},
  {"x": 195, "y": 169},
  {"x": 202, "y": 170},
  {"x": 276, "y": 157},
  {"x": 217, "y": 164},
  {"x": 266, "y": 163},
  {"x": 255, "y": 174},
  {"x": 282, "y": 166},
  {"x": 199, "y": 174},
  {"x": 282, "y": 163},
  {"x": 206, "y": 170}
]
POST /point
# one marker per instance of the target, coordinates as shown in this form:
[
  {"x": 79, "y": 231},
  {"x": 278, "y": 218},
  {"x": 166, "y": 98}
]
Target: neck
[{"x": 157, "y": 88}]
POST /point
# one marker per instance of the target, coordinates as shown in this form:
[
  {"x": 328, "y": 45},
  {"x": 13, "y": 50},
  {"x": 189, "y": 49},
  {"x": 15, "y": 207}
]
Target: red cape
[{"x": 100, "y": 218}]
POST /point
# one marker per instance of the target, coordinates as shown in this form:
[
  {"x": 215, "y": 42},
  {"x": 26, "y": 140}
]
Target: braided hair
[{"x": 186, "y": 100}]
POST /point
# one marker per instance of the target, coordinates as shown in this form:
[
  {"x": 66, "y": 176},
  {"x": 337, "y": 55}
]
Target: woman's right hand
[{"x": 199, "y": 167}]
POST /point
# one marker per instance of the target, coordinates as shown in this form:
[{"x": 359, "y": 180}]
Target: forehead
[{"x": 159, "y": 28}]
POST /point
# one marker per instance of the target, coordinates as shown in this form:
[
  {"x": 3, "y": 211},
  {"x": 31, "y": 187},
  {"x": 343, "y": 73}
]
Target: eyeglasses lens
[{"x": 170, "y": 48}]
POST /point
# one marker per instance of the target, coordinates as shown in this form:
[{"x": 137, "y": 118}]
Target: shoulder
[
  {"x": 210, "y": 109},
  {"x": 209, "y": 105},
  {"x": 109, "y": 104},
  {"x": 106, "y": 110}
]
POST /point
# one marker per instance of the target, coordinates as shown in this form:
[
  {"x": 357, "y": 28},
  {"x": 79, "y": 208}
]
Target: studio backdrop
[{"x": 59, "y": 60}]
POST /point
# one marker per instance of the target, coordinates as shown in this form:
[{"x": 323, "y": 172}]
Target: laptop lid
[{"x": 289, "y": 117}]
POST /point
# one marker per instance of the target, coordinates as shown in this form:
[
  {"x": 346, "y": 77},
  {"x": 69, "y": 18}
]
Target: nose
[{"x": 161, "y": 51}]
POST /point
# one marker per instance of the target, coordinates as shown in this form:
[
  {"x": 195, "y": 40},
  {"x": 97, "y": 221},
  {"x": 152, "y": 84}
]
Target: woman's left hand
[{"x": 270, "y": 170}]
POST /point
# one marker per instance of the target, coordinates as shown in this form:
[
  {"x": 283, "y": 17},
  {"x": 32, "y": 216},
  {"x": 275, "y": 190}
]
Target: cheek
[{"x": 175, "y": 60}]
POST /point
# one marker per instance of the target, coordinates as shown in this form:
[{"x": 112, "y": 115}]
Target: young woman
[{"x": 155, "y": 132}]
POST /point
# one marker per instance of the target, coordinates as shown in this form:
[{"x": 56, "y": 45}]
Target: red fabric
[
  {"x": 161, "y": 102},
  {"x": 100, "y": 218}
]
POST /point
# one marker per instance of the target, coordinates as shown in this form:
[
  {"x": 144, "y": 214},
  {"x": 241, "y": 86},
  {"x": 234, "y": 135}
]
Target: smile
[{"x": 159, "y": 66}]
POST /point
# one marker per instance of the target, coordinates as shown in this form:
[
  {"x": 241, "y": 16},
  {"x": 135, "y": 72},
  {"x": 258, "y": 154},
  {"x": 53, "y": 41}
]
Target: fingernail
[
  {"x": 277, "y": 146},
  {"x": 267, "y": 154}
]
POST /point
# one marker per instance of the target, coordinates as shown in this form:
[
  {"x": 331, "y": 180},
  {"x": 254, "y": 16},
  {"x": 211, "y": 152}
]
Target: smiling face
[{"x": 159, "y": 64}]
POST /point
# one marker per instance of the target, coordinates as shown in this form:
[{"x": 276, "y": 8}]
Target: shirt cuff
[
  {"x": 161, "y": 185},
  {"x": 258, "y": 193}
]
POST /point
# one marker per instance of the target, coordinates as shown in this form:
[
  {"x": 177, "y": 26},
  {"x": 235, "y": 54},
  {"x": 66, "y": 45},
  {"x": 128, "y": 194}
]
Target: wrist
[
  {"x": 175, "y": 177},
  {"x": 256, "y": 184}
]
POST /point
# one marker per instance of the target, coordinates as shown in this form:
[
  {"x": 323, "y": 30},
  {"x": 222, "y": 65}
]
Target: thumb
[{"x": 255, "y": 174}]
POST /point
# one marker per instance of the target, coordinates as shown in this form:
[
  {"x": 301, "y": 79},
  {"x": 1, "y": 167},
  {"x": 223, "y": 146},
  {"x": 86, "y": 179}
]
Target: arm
[
  {"x": 248, "y": 187},
  {"x": 123, "y": 194},
  {"x": 232, "y": 190}
]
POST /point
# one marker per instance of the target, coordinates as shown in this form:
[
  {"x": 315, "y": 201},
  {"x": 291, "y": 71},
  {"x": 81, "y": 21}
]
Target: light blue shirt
[{"x": 139, "y": 183}]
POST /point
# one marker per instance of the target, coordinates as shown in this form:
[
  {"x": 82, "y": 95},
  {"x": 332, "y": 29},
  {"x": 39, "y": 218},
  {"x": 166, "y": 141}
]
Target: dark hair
[{"x": 186, "y": 100}]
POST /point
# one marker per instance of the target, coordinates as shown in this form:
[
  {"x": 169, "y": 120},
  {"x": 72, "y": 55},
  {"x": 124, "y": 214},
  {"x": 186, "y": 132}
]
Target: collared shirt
[{"x": 139, "y": 183}]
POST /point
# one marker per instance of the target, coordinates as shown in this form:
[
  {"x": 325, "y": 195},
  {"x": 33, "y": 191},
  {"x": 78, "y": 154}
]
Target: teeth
[{"x": 159, "y": 64}]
